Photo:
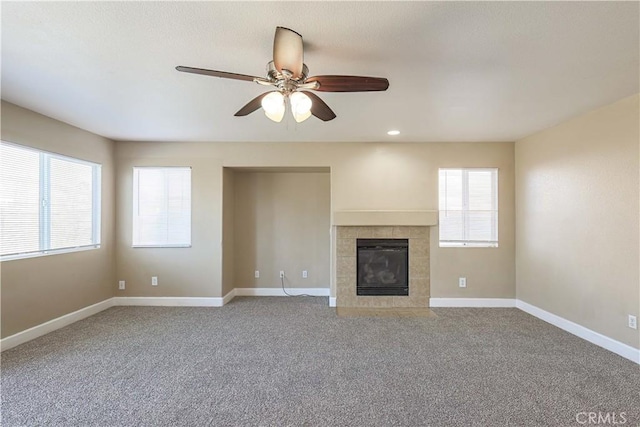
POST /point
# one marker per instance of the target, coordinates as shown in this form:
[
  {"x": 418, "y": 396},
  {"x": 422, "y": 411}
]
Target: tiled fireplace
[{"x": 393, "y": 226}]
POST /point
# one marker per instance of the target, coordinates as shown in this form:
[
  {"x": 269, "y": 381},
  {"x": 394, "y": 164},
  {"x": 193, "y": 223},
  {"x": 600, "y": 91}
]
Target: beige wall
[
  {"x": 577, "y": 206},
  {"x": 181, "y": 272},
  {"x": 36, "y": 290},
  {"x": 578, "y": 218},
  {"x": 282, "y": 222},
  {"x": 364, "y": 176},
  {"x": 228, "y": 230}
]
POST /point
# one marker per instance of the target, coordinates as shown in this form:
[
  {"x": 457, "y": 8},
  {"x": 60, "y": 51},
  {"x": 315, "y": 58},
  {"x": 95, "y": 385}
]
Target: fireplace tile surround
[{"x": 346, "y": 265}]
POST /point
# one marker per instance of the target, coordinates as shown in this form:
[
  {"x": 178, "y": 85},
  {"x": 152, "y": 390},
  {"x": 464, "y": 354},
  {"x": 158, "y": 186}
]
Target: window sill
[
  {"x": 160, "y": 246},
  {"x": 468, "y": 245},
  {"x": 47, "y": 253}
]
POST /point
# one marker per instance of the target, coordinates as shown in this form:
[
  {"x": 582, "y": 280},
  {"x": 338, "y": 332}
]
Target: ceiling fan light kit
[
  {"x": 288, "y": 74},
  {"x": 273, "y": 106},
  {"x": 300, "y": 106}
]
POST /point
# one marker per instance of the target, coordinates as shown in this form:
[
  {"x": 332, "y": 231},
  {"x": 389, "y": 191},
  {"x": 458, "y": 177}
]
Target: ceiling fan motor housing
[{"x": 277, "y": 77}]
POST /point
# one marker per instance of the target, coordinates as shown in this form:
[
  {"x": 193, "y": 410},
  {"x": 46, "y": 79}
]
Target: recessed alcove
[{"x": 276, "y": 219}]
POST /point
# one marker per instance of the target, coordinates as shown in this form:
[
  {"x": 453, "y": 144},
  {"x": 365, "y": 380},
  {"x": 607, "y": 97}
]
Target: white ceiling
[{"x": 458, "y": 71}]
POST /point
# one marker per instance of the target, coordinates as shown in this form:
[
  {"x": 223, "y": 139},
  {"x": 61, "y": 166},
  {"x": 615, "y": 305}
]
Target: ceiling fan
[{"x": 288, "y": 74}]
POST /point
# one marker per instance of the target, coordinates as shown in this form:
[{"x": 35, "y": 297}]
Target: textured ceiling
[{"x": 458, "y": 71}]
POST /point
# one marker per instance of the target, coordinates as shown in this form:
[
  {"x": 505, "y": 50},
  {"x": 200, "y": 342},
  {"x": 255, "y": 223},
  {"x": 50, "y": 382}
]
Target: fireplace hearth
[{"x": 382, "y": 267}]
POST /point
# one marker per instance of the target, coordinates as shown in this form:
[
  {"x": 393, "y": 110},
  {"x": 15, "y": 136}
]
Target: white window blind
[
  {"x": 48, "y": 203},
  {"x": 468, "y": 204},
  {"x": 161, "y": 207}
]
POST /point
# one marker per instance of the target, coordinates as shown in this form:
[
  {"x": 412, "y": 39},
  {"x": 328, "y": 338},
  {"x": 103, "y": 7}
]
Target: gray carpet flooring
[{"x": 293, "y": 362}]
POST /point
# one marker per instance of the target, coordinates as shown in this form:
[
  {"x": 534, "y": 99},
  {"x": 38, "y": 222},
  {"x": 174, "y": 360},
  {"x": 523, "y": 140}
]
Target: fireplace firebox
[{"x": 383, "y": 267}]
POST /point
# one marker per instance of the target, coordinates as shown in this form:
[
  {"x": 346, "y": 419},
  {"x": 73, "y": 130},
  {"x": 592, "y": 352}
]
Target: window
[
  {"x": 48, "y": 203},
  {"x": 161, "y": 207},
  {"x": 468, "y": 207}
]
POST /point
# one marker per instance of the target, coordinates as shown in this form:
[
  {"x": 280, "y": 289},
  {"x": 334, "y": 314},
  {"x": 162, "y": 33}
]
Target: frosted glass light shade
[
  {"x": 273, "y": 106},
  {"x": 300, "y": 106}
]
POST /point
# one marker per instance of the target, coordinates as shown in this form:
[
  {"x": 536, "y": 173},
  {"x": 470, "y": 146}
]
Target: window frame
[
  {"x": 44, "y": 216},
  {"x": 465, "y": 243},
  {"x": 135, "y": 204}
]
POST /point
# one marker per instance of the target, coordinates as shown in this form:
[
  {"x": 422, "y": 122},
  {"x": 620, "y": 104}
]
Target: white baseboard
[
  {"x": 83, "y": 313},
  {"x": 593, "y": 337},
  {"x": 54, "y": 324},
  {"x": 228, "y": 297},
  {"x": 473, "y": 302},
  {"x": 610, "y": 344},
  {"x": 277, "y": 292},
  {"x": 170, "y": 301}
]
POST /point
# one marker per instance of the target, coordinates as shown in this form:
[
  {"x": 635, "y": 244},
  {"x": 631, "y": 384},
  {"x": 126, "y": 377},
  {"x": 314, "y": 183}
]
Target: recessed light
[{"x": 393, "y": 132}]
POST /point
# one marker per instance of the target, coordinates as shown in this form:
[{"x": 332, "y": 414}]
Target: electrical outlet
[
  {"x": 281, "y": 274},
  {"x": 256, "y": 274},
  {"x": 633, "y": 322},
  {"x": 462, "y": 282},
  {"x": 154, "y": 281},
  {"x": 305, "y": 274},
  {"x": 121, "y": 285}
]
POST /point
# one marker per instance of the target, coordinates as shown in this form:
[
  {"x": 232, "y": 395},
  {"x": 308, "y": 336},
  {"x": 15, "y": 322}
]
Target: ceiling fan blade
[
  {"x": 215, "y": 73},
  {"x": 288, "y": 51},
  {"x": 319, "y": 108},
  {"x": 349, "y": 83},
  {"x": 252, "y": 105}
]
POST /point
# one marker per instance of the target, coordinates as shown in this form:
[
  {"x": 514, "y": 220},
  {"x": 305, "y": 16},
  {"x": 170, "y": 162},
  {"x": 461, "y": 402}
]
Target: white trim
[
  {"x": 168, "y": 245},
  {"x": 48, "y": 252},
  {"x": 593, "y": 337},
  {"x": 169, "y": 301},
  {"x": 54, "y": 324},
  {"x": 467, "y": 244},
  {"x": 44, "y": 204},
  {"x": 473, "y": 302},
  {"x": 277, "y": 292},
  {"x": 228, "y": 297}
]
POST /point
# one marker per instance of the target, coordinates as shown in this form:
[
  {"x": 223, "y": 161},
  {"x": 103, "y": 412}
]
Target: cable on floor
[{"x": 291, "y": 295}]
